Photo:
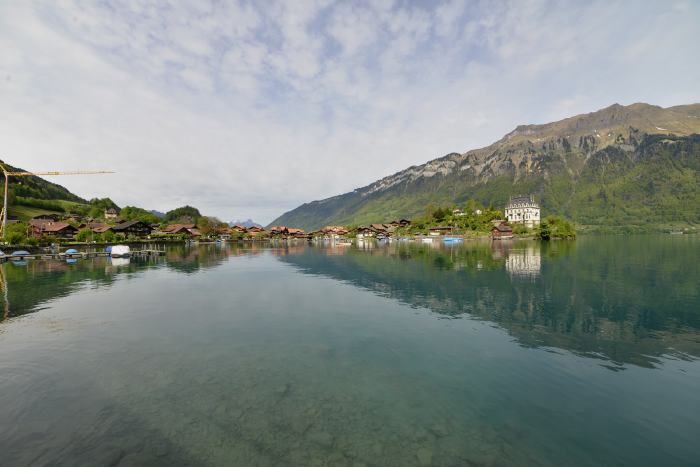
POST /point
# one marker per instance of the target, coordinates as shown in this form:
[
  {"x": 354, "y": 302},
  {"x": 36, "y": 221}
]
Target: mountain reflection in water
[
  {"x": 624, "y": 300},
  {"x": 401, "y": 354}
]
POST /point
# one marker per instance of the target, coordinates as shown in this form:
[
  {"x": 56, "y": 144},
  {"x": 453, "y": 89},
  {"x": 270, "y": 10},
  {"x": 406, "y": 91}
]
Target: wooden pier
[{"x": 80, "y": 255}]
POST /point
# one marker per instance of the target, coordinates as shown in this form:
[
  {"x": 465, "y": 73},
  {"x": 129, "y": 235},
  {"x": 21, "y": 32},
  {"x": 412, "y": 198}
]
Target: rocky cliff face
[{"x": 530, "y": 157}]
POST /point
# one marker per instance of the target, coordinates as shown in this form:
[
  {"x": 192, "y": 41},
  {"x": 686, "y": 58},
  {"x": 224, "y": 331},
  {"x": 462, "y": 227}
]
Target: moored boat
[
  {"x": 19, "y": 254},
  {"x": 120, "y": 251}
]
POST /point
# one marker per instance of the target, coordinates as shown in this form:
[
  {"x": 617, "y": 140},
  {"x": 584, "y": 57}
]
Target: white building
[{"x": 523, "y": 210}]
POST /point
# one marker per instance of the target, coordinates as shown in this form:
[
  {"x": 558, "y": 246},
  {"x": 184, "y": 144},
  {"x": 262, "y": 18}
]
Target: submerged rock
[{"x": 439, "y": 430}]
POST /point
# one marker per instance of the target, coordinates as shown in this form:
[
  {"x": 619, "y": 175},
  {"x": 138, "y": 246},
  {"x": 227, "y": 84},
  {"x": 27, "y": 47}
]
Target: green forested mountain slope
[
  {"x": 622, "y": 165},
  {"x": 36, "y": 187}
]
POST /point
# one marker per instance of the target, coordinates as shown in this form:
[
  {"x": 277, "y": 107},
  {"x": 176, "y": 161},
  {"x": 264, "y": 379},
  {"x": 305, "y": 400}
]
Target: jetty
[{"x": 79, "y": 255}]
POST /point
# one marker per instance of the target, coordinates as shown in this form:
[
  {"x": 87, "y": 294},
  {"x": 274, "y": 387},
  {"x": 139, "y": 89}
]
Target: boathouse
[
  {"x": 441, "y": 230},
  {"x": 502, "y": 231}
]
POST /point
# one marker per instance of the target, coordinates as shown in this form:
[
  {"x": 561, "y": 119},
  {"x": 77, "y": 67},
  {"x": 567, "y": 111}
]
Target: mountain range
[{"x": 633, "y": 165}]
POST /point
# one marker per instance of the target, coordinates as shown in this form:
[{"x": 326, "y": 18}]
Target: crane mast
[{"x": 9, "y": 173}]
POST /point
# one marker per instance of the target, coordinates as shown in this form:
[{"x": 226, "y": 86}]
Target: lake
[{"x": 571, "y": 353}]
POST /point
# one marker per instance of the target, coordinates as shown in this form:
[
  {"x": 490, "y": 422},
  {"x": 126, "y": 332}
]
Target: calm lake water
[{"x": 517, "y": 353}]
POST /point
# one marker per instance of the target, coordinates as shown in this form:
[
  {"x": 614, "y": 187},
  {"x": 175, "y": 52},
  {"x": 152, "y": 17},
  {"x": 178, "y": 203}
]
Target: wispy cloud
[{"x": 247, "y": 109}]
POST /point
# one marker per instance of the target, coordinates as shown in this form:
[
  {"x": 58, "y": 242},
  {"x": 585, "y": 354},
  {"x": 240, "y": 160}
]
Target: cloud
[{"x": 247, "y": 109}]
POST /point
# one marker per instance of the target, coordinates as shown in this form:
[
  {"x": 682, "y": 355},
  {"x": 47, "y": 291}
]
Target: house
[
  {"x": 523, "y": 210},
  {"x": 457, "y": 212},
  {"x": 47, "y": 217},
  {"x": 180, "y": 229},
  {"x": 296, "y": 233},
  {"x": 334, "y": 230},
  {"x": 47, "y": 228},
  {"x": 110, "y": 213},
  {"x": 255, "y": 230},
  {"x": 502, "y": 231},
  {"x": 96, "y": 227},
  {"x": 441, "y": 230},
  {"x": 136, "y": 228},
  {"x": 223, "y": 233},
  {"x": 364, "y": 231},
  {"x": 278, "y": 230},
  {"x": 239, "y": 228}
]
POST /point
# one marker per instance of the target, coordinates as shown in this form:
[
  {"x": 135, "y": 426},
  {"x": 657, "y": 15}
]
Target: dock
[{"x": 80, "y": 255}]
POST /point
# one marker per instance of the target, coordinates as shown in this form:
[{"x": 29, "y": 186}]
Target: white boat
[{"x": 120, "y": 251}]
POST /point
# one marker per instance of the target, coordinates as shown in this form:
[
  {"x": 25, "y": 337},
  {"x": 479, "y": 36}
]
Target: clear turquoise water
[{"x": 569, "y": 353}]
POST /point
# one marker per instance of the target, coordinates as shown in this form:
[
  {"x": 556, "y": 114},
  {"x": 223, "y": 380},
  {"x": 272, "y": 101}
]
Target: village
[{"x": 451, "y": 224}]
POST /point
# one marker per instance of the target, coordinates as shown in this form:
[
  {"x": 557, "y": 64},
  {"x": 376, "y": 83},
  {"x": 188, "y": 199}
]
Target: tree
[
  {"x": 108, "y": 236},
  {"x": 84, "y": 235},
  {"x": 16, "y": 234},
  {"x": 186, "y": 213},
  {"x": 545, "y": 232},
  {"x": 134, "y": 213},
  {"x": 99, "y": 205}
]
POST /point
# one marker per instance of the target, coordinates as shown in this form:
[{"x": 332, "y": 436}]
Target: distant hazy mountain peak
[{"x": 246, "y": 223}]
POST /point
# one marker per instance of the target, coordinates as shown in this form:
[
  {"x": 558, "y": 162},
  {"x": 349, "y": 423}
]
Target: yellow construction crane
[{"x": 9, "y": 174}]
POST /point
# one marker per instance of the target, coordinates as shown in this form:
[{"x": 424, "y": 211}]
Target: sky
[{"x": 249, "y": 109}]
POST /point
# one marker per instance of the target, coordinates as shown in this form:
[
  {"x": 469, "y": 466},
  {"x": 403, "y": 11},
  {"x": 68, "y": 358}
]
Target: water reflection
[{"x": 630, "y": 301}]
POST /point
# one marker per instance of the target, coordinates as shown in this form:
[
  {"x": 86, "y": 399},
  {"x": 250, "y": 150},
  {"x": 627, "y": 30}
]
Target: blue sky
[{"x": 248, "y": 109}]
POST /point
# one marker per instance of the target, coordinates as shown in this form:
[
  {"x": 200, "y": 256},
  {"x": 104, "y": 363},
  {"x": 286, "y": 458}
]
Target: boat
[
  {"x": 452, "y": 239},
  {"x": 120, "y": 261},
  {"x": 120, "y": 251},
  {"x": 71, "y": 252},
  {"x": 20, "y": 254},
  {"x": 427, "y": 240}
]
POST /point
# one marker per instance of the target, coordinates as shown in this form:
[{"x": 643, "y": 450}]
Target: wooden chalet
[
  {"x": 278, "y": 230},
  {"x": 401, "y": 223},
  {"x": 47, "y": 228},
  {"x": 137, "y": 228},
  {"x": 334, "y": 230},
  {"x": 296, "y": 233},
  {"x": 188, "y": 230}
]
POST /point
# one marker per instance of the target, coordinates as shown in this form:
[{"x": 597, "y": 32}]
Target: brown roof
[
  {"x": 172, "y": 228},
  {"x": 503, "y": 228},
  {"x": 127, "y": 224},
  {"x": 55, "y": 226}
]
